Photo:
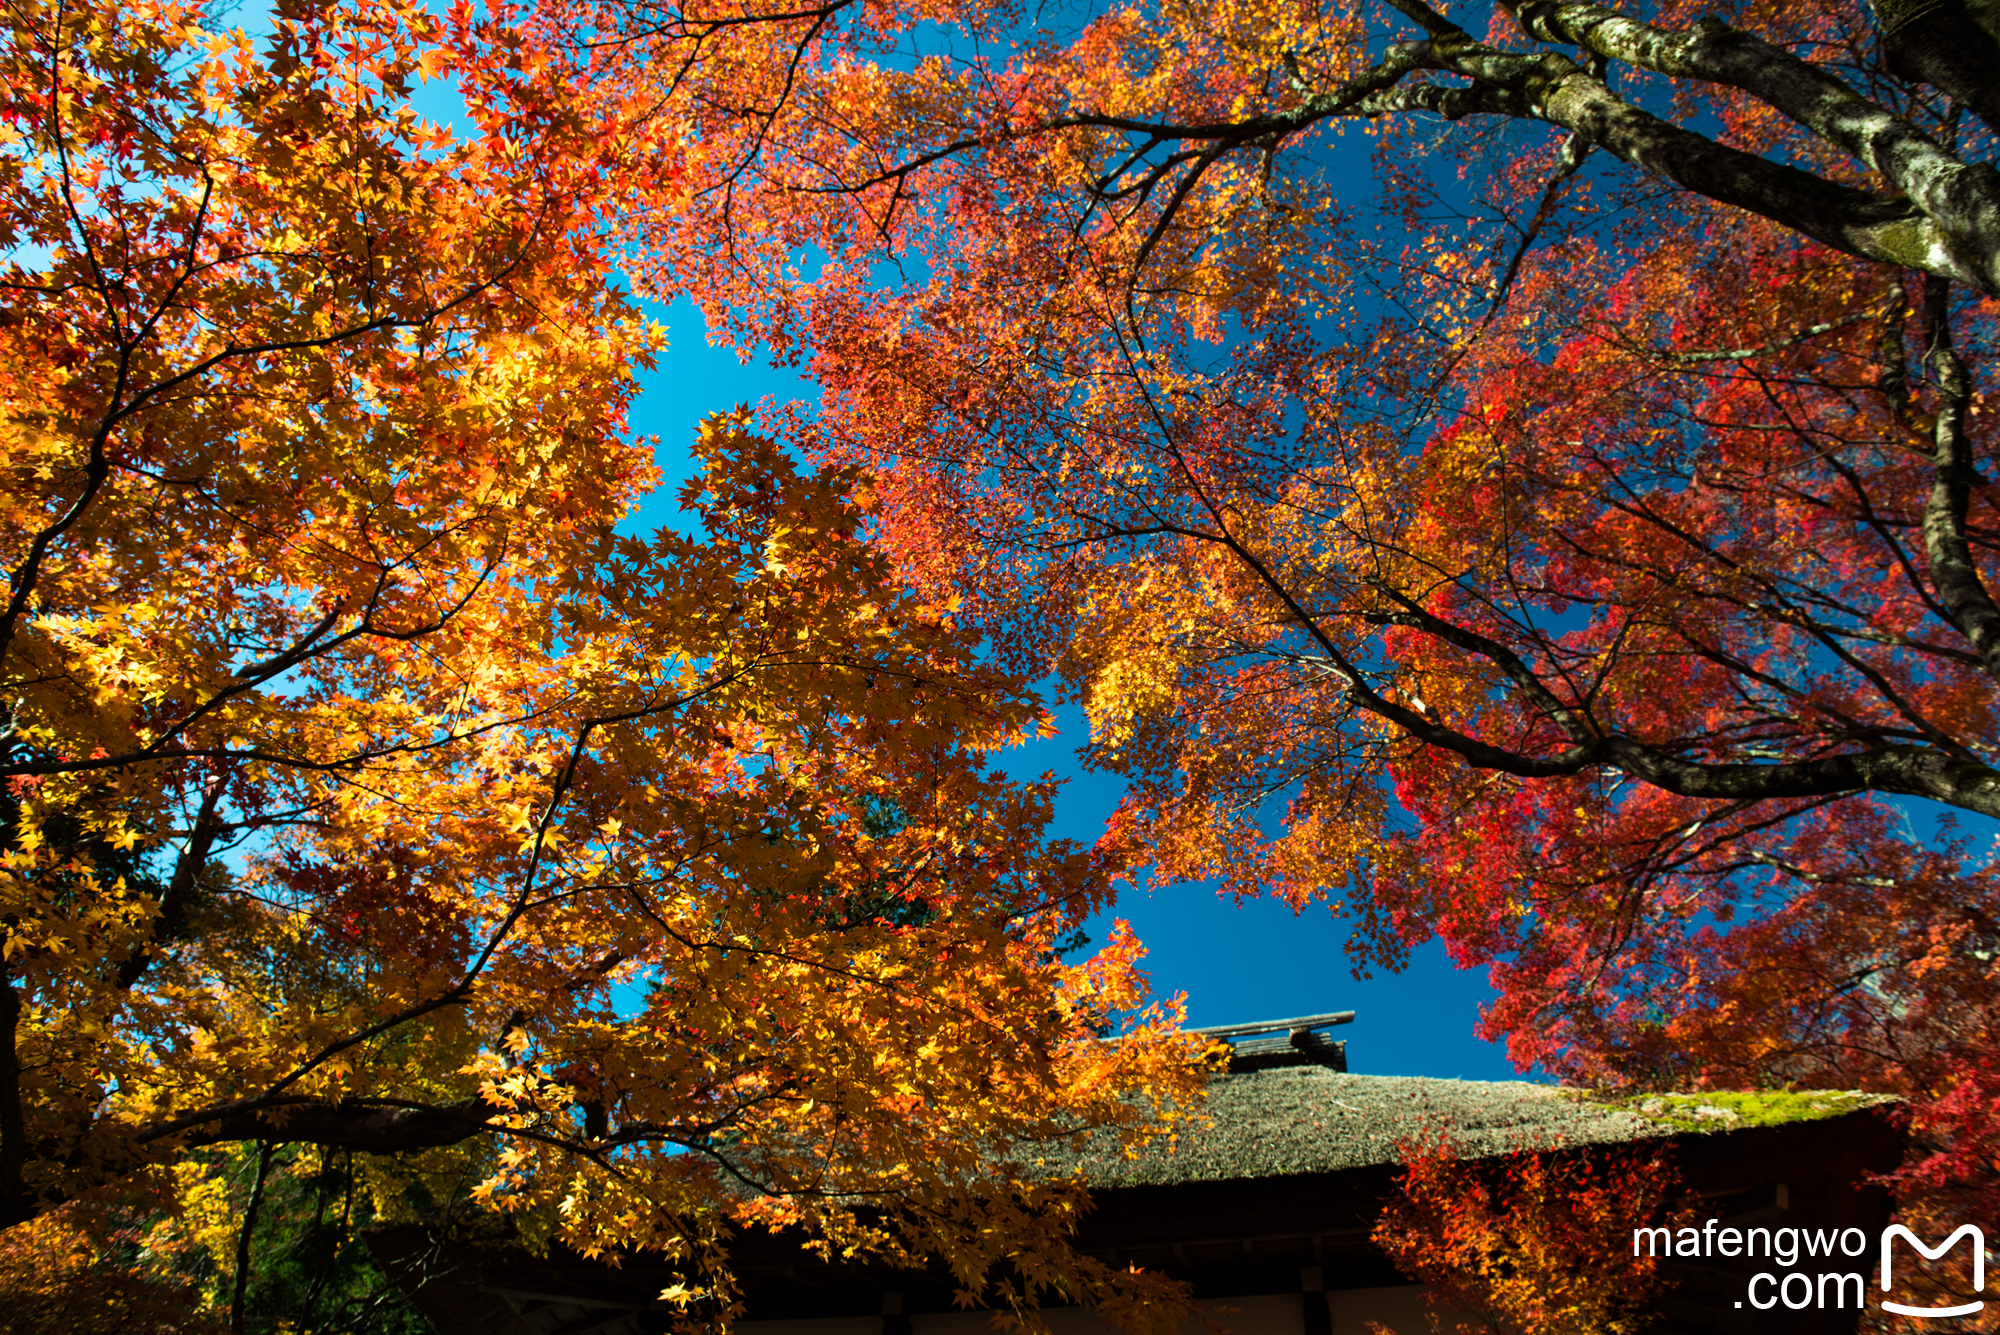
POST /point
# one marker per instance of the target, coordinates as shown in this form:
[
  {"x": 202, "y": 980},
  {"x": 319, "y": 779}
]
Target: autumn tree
[
  {"x": 1521, "y": 473},
  {"x": 1517, "y": 1242},
  {"x": 365, "y": 793},
  {"x": 70, "y": 1270}
]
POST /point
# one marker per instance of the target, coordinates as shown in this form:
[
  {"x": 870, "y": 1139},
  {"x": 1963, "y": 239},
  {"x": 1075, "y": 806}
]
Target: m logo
[{"x": 1932, "y": 1254}]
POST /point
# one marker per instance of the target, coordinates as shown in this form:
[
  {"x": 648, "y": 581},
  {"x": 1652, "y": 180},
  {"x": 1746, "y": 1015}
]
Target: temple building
[{"x": 1268, "y": 1210}]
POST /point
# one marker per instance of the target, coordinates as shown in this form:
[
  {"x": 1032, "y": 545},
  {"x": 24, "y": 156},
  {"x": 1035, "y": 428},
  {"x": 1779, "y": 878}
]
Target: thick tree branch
[
  {"x": 1946, "y": 220},
  {"x": 1574, "y": 724},
  {"x": 172, "y": 915},
  {"x": 1918, "y": 771},
  {"x": 1959, "y": 587},
  {"x": 355, "y": 1124},
  {"x": 1942, "y": 43},
  {"x": 243, "y": 1235},
  {"x": 1960, "y": 202}
]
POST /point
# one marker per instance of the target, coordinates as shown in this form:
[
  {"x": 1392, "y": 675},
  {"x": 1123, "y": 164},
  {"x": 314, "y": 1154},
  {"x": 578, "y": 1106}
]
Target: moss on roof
[
  {"x": 1308, "y": 1119},
  {"x": 1725, "y": 1111}
]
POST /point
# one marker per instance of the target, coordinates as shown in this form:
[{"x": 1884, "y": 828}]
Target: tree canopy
[
  {"x": 1523, "y": 474},
  {"x": 364, "y": 790}
]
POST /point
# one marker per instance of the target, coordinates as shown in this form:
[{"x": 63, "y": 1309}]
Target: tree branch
[
  {"x": 172, "y": 914},
  {"x": 1958, "y": 234},
  {"x": 1959, "y": 587}
]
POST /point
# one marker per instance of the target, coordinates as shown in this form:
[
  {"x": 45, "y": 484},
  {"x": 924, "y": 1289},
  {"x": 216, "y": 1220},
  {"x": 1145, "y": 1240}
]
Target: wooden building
[{"x": 1267, "y": 1212}]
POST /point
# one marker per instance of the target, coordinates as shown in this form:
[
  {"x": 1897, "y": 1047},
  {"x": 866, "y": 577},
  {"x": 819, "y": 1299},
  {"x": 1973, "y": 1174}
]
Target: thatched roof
[
  {"x": 1310, "y": 1119},
  {"x": 1286, "y": 1171}
]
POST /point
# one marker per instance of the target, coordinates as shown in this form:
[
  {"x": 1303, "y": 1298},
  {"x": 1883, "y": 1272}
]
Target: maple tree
[
  {"x": 364, "y": 790},
  {"x": 59, "y": 1273},
  {"x": 1521, "y": 474},
  {"x": 1518, "y": 1241}
]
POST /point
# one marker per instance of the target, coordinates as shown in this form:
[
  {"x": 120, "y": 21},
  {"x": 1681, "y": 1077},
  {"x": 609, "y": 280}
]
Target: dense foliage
[
  {"x": 1518, "y": 1242},
  {"x": 1523, "y": 474},
  {"x": 366, "y": 794}
]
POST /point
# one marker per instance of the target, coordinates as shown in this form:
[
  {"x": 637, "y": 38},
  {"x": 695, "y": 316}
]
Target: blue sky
[{"x": 1236, "y": 963}]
